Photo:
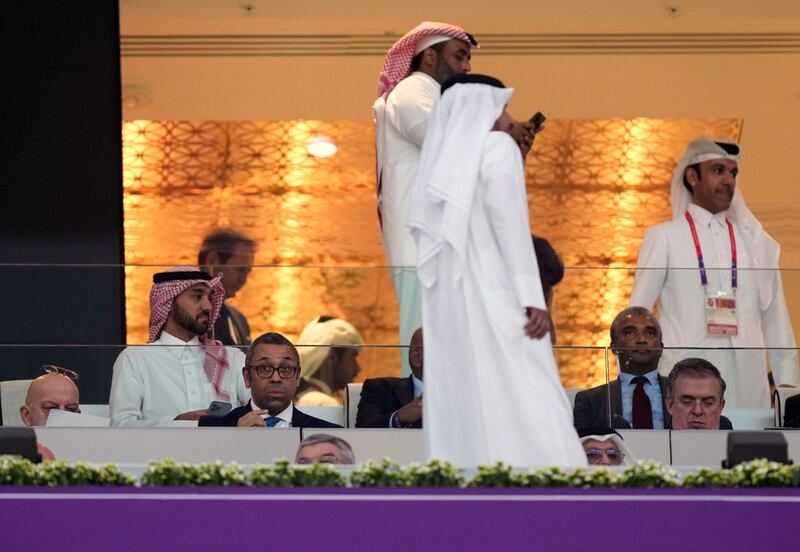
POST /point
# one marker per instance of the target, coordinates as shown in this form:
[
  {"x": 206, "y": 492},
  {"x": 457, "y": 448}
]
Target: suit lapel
[
  {"x": 662, "y": 383},
  {"x": 404, "y": 390},
  {"x": 616, "y": 398}
]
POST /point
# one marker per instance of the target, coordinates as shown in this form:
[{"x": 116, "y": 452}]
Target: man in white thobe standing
[
  {"x": 714, "y": 271},
  {"x": 414, "y": 69},
  {"x": 492, "y": 388}
]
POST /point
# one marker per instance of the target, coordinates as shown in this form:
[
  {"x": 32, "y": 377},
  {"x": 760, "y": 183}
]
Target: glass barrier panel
[{"x": 744, "y": 388}]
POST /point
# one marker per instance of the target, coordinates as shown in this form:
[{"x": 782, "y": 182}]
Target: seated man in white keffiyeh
[{"x": 181, "y": 370}]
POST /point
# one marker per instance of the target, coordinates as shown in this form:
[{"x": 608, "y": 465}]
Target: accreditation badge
[{"x": 721, "y": 314}]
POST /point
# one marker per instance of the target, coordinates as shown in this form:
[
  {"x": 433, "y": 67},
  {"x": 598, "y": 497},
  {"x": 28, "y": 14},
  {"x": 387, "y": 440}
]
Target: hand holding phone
[
  {"x": 219, "y": 408},
  {"x": 538, "y": 120}
]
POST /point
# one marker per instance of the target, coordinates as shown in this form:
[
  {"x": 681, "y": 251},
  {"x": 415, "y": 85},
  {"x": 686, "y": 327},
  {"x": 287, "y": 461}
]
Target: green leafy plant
[
  {"x": 283, "y": 474},
  {"x": 763, "y": 473},
  {"x": 62, "y": 474},
  {"x": 434, "y": 474},
  {"x": 497, "y": 476},
  {"x": 385, "y": 474},
  {"x": 318, "y": 475},
  {"x": 651, "y": 475},
  {"x": 546, "y": 477},
  {"x": 268, "y": 476},
  {"x": 17, "y": 471},
  {"x": 708, "y": 477},
  {"x": 168, "y": 473}
]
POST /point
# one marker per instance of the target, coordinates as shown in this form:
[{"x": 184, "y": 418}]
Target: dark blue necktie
[{"x": 272, "y": 421}]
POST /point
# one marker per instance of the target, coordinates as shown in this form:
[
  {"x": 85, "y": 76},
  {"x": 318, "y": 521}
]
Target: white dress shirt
[
  {"x": 285, "y": 415},
  {"x": 155, "y": 382}
]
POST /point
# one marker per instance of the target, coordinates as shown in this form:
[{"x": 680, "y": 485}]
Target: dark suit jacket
[
  {"x": 299, "y": 419},
  {"x": 791, "y": 418},
  {"x": 591, "y": 406},
  {"x": 222, "y": 328},
  {"x": 380, "y": 397}
]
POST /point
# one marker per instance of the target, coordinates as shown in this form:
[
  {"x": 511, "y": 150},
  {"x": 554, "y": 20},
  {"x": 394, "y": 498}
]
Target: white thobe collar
[
  {"x": 419, "y": 387},
  {"x": 177, "y": 346},
  {"x": 704, "y": 218},
  {"x": 285, "y": 415},
  {"x": 425, "y": 75}
]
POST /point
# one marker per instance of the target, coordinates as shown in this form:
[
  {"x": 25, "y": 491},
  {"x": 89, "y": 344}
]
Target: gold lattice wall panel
[{"x": 593, "y": 187}]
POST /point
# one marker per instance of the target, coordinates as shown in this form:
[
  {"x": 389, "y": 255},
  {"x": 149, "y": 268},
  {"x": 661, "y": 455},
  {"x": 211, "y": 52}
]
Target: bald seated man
[{"x": 46, "y": 393}]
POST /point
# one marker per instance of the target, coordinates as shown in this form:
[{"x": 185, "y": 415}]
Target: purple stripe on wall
[{"x": 386, "y": 519}]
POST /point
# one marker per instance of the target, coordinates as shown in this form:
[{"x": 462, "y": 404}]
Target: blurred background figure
[
  {"x": 328, "y": 349},
  {"x": 227, "y": 253},
  {"x": 551, "y": 269}
]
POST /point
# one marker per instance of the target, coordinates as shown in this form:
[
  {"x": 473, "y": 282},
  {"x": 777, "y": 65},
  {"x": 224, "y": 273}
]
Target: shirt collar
[
  {"x": 419, "y": 387},
  {"x": 175, "y": 342},
  {"x": 426, "y": 75},
  {"x": 168, "y": 339},
  {"x": 285, "y": 415},
  {"x": 627, "y": 379},
  {"x": 703, "y": 217}
]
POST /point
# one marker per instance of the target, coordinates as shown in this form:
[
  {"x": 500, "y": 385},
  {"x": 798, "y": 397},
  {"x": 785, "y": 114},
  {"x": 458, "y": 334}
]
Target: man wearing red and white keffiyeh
[
  {"x": 414, "y": 69},
  {"x": 184, "y": 369}
]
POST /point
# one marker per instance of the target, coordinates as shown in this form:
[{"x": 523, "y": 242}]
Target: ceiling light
[{"x": 321, "y": 146}]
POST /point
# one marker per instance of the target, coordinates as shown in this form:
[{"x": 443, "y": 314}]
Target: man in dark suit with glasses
[{"x": 271, "y": 372}]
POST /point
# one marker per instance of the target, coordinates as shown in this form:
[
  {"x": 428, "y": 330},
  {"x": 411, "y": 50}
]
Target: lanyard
[{"x": 703, "y": 277}]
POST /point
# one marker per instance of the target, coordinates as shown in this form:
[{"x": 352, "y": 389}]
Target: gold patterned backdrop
[{"x": 593, "y": 188}]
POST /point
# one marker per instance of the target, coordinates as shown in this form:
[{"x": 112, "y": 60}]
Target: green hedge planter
[{"x": 168, "y": 473}]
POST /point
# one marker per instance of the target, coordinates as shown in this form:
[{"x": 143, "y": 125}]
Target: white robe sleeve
[
  {"x": 507, "y": 203},
  {"x": 408, "y": 109},
  {"x": 777, "y": 329},
  {"x": 127, "y": 389},
  {"x": 236, "y": 361},
  {"x": 651, "y": 269}
]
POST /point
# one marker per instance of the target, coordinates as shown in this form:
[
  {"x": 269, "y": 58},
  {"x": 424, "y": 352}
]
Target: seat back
[
  {"x": 352, "y": 396},
  {"x": 333, "y": 414},
  {"x": 101, "y": 410},
  {"x": 571, "y": 392},
  {"x": 783, "y": 394},
  {"x": 12, "y": 396},
  {"x": 750, "y": 418}
]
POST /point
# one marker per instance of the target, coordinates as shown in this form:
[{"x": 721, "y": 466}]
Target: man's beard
[
  {"x": 185, "y": 320},
  {"x": 443, "y": 70}
]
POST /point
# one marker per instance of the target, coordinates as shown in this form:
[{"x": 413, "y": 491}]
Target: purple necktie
[{"x": 642, "y": 409}]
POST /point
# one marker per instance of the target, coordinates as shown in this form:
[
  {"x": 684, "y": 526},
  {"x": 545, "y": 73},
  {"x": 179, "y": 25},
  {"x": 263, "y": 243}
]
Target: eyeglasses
[
  {"x": 53, "y": 369},
  {"x": 595, "y": 455},
  {"x": 285, "y": 371}
]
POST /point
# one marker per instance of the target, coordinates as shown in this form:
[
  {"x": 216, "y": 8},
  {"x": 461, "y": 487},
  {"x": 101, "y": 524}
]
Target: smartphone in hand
[
  {"x": 219, "y": 408},
  {"x": 538, "y": 120}
]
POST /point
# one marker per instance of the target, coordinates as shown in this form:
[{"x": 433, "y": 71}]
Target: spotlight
[{"x": 321, "y": 146}]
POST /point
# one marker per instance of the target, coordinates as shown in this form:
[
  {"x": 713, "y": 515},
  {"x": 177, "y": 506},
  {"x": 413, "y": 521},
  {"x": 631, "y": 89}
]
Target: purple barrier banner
[{"x": 238, "y": 519}]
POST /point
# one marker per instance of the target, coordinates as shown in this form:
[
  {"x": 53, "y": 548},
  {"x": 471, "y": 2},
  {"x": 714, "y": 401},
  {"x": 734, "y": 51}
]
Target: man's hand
[
  {"x": 522, "y": 133},
  {"x": 191, "y": 415},
  {"x": 410, "y": 413},
  {"x": 253, "y": 419},
  {"x": 538, "y": 324}
]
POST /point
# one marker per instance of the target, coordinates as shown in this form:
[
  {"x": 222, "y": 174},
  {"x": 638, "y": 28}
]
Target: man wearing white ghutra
[{"x": 714, "y": 271}]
